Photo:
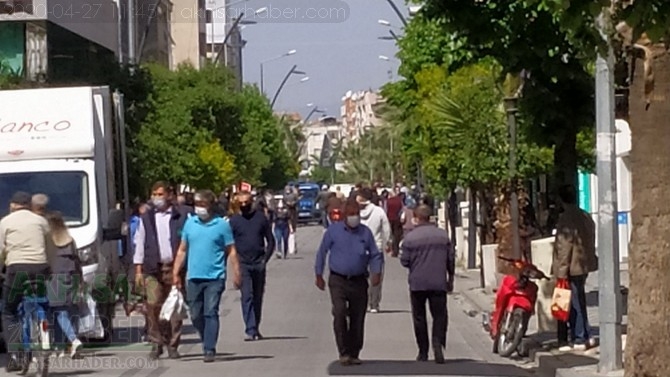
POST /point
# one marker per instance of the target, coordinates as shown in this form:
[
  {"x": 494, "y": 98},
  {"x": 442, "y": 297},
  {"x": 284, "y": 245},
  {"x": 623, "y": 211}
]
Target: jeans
[
  {"x": 203, "y": 297},
  {"x": 252, "y": 290},
  {"x": 325, "y": 221},
  {"x": 64, "y": 332},
  {"x": 579, "y": 319},
  {"x": 281, "y": 239}
]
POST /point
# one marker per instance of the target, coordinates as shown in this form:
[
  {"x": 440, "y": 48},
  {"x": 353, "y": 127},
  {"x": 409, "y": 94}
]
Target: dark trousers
[
  {"x": 437, "y": 302},
  {"x": 396, "y": 236},
  {"x": 349, "y": 298},
  {"x": 12, "y": 295},
  {"x": 253, "y": 288}
]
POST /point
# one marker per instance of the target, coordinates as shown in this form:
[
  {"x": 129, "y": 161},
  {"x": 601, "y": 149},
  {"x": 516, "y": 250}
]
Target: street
[{"x": 298, "y": 335}]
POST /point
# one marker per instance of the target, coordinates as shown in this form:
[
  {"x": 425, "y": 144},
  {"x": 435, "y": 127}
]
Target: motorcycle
[{"x": 514, "y": 306}]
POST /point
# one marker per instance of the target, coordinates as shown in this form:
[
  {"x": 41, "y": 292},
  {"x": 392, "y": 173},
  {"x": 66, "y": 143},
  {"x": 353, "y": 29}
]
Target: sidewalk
[{"x": 543, "y": 348}]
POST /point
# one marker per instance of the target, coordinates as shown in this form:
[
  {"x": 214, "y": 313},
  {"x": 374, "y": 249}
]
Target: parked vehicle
[
  {"x": 308, "y": 205},
  {"x": 69, "y": 144},
  {"x": 514, "y": 306}
]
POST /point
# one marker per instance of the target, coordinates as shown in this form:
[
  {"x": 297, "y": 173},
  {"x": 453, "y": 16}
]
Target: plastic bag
[
  {"x": 560, "y": 301},
  {"x": 291, "y": 244},
  {"x": 90, "y": 325},
  {"x": 173, "y": 304}
]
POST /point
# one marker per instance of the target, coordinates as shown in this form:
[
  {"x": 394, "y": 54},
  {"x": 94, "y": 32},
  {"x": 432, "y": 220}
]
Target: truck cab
[{"x": 67, "y": 143}]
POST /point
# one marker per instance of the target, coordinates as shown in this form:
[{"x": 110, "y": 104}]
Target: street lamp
[
  {"x": 292, "y": 71},
  {"x": 233, "y": 27},
  {"x": 315, "y": 109},
  {"x": 397, "y": 12},
  {"x": 288, "y": 53}
]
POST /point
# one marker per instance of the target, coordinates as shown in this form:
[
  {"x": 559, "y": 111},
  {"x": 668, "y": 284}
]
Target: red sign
[{"x": 244, "y": 186}]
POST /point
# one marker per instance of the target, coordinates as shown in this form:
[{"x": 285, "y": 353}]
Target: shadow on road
[
  {"x": 549, "y": 363},
  {"x": 393, "y": 311},
  {"x": 283, "y": 338},
  {"x": 453, "y": 367}
]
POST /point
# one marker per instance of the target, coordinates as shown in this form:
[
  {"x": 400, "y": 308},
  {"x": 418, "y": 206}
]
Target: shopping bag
[
  {"x": 291, "y": 244},
  {"x": 560, "y": 301},
  {"x": 89, "y": 325},
  {"x": 173, "y": 304}
]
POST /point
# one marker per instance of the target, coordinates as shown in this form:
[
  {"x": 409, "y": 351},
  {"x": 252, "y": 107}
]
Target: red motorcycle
[{"x": 515, "y": 304}]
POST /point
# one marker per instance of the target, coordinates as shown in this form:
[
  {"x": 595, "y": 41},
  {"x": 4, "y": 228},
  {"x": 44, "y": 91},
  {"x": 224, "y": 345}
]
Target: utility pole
[
  {"x": 132, "y": 35},
  {"x": 609, "y": 294}
]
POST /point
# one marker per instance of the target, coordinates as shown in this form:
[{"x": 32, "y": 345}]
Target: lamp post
[
  {"x": 292, "y": 71},
  {"x": 315, "y": 110},
  {"x": 511, "y": 110},
  {"x": 236, "y": 22},
  {"x": 288, "y": 53},
  {"x": 398, "y": 12}
]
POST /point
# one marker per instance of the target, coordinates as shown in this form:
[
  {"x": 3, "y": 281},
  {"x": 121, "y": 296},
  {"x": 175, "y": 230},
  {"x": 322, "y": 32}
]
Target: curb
[{"x": 587, "y": 371}]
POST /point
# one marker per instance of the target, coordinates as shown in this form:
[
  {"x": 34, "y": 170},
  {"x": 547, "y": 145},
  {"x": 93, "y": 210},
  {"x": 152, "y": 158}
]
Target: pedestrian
[
  {"x": 573, "y": 258},
  {"x": 334, "y": 203},
  {"x": 65, "y": 281},
  {"x": 23, "y": 236},
  {"x": 322, "y": 203},
  {"x": 208, "y": 247},
  {"x": 338, "y": 192},
  {"x": 282, "y": 229},
  {"x": 254, "y": 243},
  {"x": 394, "y": 209},
  {"x": 291, "y": 197},
  {"x": 407, "y": 216},
  {"x": 156, "y": 243},
  {"x": 431, "y": 260},
  {"x": 39, "y": 203},
  {"x": 375, "y": 219},
  {"x": 353, "y": 256}
]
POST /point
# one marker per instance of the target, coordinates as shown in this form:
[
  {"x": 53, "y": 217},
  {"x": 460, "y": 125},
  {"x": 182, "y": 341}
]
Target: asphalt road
[{"x": 299, "y": 340}]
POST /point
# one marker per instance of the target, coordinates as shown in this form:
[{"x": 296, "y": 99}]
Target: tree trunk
[{"x": 648, "y": 342}]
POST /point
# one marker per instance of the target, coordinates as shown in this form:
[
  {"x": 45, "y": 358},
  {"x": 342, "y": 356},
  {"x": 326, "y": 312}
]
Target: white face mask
[
  {"x": 158, "y": 202},
  {"x": 353, "y": 221},
  {"x": 202, "y": 213}
]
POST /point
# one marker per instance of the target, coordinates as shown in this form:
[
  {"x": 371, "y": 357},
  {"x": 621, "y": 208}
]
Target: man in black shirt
[{"x": 254, "y": 243}]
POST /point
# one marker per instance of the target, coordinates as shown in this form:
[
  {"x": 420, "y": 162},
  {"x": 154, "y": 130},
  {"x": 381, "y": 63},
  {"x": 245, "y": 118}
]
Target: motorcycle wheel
[{"x": 512, "y": 332}]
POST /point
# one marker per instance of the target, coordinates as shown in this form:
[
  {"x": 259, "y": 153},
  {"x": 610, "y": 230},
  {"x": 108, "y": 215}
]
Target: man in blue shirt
[
  {"x": 208, "y": 239},
  {"x": 352, "y": 255}
]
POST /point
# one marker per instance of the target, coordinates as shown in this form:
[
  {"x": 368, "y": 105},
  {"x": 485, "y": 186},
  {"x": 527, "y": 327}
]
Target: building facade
[
  {"x": 220, "y": 17},
  {"x": 188, "y": 33},
  {"x": 321, "y": 136},
  {"x": 359, "y": 113}
]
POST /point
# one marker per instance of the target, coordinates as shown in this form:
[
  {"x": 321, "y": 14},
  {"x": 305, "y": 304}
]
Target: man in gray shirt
[{"x": 428, "y": 254}]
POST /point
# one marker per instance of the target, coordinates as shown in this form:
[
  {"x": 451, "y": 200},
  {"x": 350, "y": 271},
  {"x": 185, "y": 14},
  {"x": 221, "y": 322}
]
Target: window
[
  {"x": 67, "y": 192},
  {"x": 208, "y": 17}
]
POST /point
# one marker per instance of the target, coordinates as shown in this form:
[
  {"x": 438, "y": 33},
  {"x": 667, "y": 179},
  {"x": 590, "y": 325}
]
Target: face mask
[
  {"x": 245, "y": 208},
  {"x": 158, "y": 202},
  {"x": 353, "y": 221},
  {"x": 201, "y": 212}
]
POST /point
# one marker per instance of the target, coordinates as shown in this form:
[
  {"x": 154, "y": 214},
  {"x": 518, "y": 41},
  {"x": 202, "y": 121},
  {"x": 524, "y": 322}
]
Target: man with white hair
[{"x": 39, "y": 204}]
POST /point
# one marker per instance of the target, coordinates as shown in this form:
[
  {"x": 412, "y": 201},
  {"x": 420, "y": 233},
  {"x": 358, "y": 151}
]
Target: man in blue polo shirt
[
  {"x": 352, "y": 255},
  {"x": 208, "y": 239}
]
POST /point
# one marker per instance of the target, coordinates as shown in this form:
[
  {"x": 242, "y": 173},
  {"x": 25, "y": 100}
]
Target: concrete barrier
[
  {"x": 489, "y": 257},
  {"x": 542, "y": 254},
  {"x": 461, "y": 248}
]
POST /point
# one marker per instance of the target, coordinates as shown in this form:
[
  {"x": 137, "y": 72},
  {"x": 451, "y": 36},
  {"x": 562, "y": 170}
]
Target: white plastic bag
[
  {"x": 291, "y": 243},
  {"x": 90, "y": 325},
  {"x": 173, "y": 304}
]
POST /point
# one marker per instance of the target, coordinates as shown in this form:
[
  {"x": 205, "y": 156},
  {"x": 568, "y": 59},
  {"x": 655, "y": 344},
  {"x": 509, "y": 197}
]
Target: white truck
[{"x": 69, "y": 144}]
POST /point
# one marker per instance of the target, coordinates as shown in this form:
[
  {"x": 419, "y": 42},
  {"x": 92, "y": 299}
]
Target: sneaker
[
  {"x": 439, "y": 355},
  {"x": 373, "y": 311},
  {"x": 75, "y": 348},
  {"x": 345, "y": 360},
  {"x": 258, "y": 336},
  {"x": 156, "y": 352},
  {"x": 579, "y": 347},
  {"x": 173, "y": 353},
  {"x": 422, "y": 357},
  {"x": 249, "y": 338},
  {"x": 209, "y": 357},
  {"x": 565, "y": 348},
  {"x": 355, "y": 361}
]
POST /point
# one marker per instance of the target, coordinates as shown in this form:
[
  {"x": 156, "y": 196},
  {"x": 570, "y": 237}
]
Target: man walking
[
  {"x": 428, "y": 254},
  {"x": 208, "y": 240},
  {"x": 255, "y": 243},
  {"x": 23, "y": 236},
  {"x": 352, "y": 256},
  {"x": 375, "y": 219},
  {"x": 394, "y": 208},
  {"x": 156, "y": 242},
  {"x": 574, "y": 257}
]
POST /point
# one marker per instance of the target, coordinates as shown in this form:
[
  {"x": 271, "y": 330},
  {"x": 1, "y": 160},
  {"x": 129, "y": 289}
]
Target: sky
[{"x": 337, "y": 54}]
